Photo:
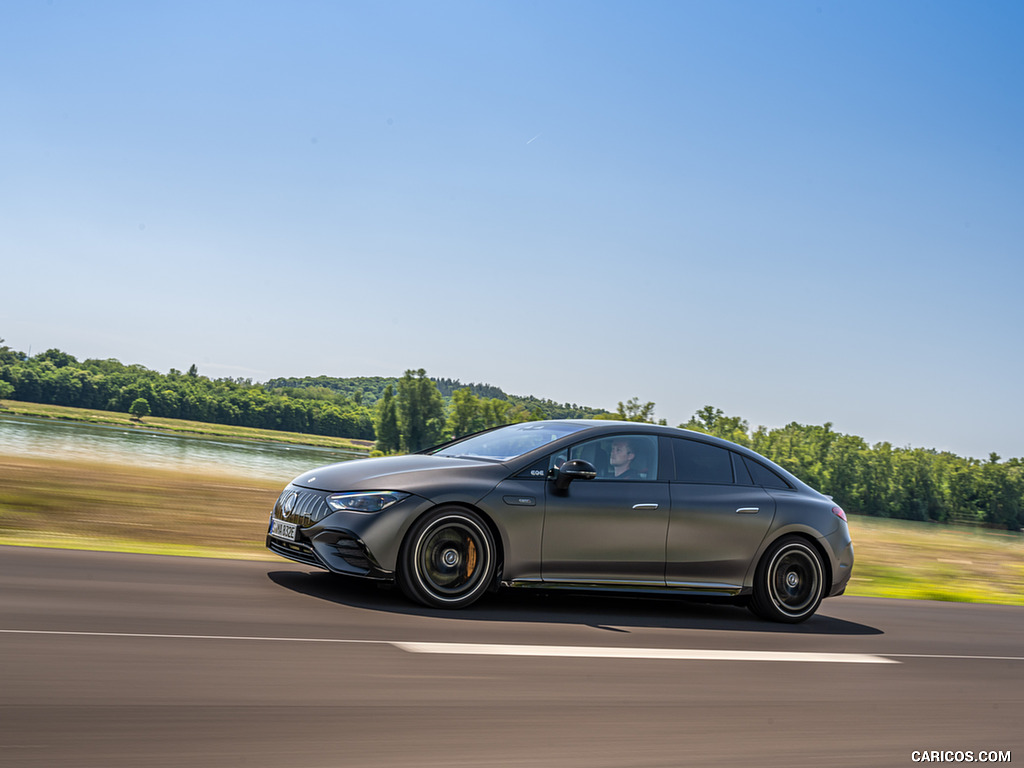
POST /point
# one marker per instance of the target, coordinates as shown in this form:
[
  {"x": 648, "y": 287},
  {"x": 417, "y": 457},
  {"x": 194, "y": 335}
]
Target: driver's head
[{"x": 622, "y": 454}]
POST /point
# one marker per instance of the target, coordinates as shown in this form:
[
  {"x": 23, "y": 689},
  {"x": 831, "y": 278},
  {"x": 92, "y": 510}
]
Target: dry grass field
[
  {"x": 94, "y": 505},
  {"x": 76, "y": 504}
]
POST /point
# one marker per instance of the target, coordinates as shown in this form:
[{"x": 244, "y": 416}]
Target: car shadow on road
[{"x": 614, "y": 613}]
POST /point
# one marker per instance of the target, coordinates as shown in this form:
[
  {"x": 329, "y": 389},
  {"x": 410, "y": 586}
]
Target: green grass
[
  {"x": 92, "y": 544},
  {"x": 76, "y": 504},
  {"x": 181, "y": 426},
  {"x": 927, "y": 561}
]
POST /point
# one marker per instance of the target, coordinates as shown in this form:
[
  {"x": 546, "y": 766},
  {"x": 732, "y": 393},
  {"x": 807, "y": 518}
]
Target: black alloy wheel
[
  {"x": 789, "y": 582},
  {"x": 447, "y": 559}
]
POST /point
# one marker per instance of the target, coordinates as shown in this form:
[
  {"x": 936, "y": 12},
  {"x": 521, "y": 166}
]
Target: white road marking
[
  {"x": 952, "y": 656},
  {"x": 604, "y": 652},
  {"x": 559, "y": 651}
]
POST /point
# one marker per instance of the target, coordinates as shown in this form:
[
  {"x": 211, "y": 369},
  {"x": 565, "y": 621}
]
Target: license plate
[{"x": 284, "y": 530}]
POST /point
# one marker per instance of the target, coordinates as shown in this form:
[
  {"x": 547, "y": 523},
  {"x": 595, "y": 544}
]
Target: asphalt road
[{"x": 132, "y": 660}]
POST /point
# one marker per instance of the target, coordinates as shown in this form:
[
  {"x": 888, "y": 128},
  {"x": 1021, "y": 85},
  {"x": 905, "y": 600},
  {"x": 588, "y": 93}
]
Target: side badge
[{"x": 520, "y": 501}]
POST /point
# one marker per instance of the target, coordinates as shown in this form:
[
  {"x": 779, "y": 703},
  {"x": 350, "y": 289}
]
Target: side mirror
[{"x": 577, "y": 469}]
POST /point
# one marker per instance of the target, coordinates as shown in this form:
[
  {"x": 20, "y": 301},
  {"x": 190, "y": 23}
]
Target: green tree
[
  {"x": 1000, "y": 493},
  {"x": 8, "y": 355},
  {"x": 634, "y": 410},
  {"x": 420, "y": 411},
  {"x": 713, "y": 421},
  {"x": 466, "y": 414},
  {"x": 139, "y": 408},
  {"x": 58, "y": 358},
  {"x": 6, "y": 389},
  {"x": 494, "y": 412},
  {"x": 386, "y": 423},
  {"x": 847, "y": 459}
]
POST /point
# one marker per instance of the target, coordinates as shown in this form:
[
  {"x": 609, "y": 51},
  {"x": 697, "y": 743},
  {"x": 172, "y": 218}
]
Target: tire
[
  {"x": 789, "y": 582},
  {"x": 447, "y": 559}
]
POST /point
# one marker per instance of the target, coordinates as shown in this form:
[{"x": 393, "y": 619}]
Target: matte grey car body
[{"x": 540, "y": 504}]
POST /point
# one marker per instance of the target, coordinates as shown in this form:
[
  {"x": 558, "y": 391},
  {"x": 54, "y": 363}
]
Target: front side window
[{"x": 618, "y": 457}]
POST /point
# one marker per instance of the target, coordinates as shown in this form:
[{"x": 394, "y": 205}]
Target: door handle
[
  {"x": 747, "y": 511},
  {"x": 645, "y": 506}
]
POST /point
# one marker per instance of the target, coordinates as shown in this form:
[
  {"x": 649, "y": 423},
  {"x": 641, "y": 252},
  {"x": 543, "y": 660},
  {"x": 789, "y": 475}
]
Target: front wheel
[
  {"x": 789, "y": 582},
  {"x": 448, "y": 559}
]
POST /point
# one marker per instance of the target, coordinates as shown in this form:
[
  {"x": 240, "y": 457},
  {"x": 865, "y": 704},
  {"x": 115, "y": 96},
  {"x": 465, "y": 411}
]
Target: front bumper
[
  {"x": 350, "y": 543},
  {"x": 336, "y": 551}
]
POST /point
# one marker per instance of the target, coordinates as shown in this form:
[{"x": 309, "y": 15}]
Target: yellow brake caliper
[{"x": 471, "y": 559}]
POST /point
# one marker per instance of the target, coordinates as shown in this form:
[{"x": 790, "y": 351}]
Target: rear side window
[
  {"x": 740, "y": 468},
  {"x": 765, "y": 477},
  {"x": 701, "y": 463}
]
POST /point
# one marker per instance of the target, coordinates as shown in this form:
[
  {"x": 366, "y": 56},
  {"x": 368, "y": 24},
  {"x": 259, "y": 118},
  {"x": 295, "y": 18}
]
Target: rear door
[{"x": 718, "y": 519}]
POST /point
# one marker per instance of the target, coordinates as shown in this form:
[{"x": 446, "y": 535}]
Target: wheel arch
[
  {"x": 811, "y": 537},
  {"x": 796, "y": 597},
  {"x": 497, "y": 534}
]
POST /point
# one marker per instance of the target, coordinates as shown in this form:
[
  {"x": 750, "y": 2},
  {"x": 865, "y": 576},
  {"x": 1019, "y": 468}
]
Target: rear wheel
[
  {"x": 789, "y": 582},
  {"x": 448, "y": 559}
]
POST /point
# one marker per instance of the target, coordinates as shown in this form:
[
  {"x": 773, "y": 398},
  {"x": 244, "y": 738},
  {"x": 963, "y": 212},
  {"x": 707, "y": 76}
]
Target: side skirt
[{"x": 695, "y": 590}]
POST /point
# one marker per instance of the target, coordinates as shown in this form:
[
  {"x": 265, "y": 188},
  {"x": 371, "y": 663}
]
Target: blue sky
[{"x": 792, "y": 211}]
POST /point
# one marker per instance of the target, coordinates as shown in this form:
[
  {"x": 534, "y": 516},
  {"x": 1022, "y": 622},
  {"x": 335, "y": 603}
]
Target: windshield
[{"x": 511, "y": 441}]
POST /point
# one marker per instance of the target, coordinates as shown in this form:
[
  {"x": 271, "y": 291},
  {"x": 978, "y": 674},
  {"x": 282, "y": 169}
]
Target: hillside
[{"x": 367, "y": 390}]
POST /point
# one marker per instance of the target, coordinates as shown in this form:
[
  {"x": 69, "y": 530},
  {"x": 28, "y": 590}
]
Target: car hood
[{"x": 416, "y": 473}]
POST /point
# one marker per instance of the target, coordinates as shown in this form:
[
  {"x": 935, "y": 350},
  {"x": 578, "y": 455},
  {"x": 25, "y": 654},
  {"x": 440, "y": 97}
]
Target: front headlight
[{"x": 373, "y": 501}]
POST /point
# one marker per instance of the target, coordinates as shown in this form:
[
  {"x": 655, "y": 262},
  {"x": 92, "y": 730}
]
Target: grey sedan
[{"x": 583, "y": 505}]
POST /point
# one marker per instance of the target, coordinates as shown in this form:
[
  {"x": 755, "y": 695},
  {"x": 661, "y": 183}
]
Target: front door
[{"x": 610, "y": 530}]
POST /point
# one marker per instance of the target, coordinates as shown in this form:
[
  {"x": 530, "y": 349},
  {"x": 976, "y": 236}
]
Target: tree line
[
  {"x": 369, "y": 390},
  {"x": 312, "y": 405},
  {"x": 58, "y": 378},
  {"x": 410, "y": 413}
]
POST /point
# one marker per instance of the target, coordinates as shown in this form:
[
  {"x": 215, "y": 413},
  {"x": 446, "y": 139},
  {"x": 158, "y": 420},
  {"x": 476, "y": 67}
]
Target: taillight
[{"x": 838, "y": 512}]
